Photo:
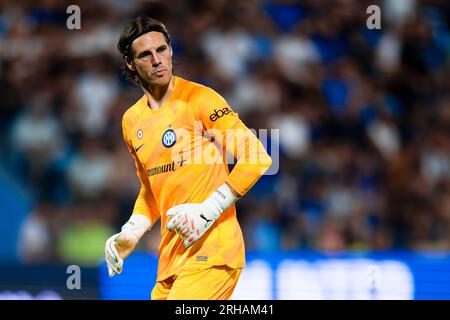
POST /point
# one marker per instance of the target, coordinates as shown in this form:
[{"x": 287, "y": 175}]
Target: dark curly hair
[{"x": 134, "y": 29}]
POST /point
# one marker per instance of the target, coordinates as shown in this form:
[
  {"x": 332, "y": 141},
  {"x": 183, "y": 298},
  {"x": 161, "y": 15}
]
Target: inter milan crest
[
  {"x": 169, "y": 138},
  {"x": 139, "y": 134}
]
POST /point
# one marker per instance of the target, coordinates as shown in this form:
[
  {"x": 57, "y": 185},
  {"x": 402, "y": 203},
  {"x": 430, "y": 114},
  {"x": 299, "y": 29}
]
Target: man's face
[{"x": 152, "y": 58}]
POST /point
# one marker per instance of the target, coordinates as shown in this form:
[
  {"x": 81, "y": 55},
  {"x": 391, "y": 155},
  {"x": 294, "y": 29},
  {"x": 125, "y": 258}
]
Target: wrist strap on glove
[{"x": 221, "y": 199}]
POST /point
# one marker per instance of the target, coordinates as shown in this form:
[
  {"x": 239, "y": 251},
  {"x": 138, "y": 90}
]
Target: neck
[{"x": 157, "y": 95}]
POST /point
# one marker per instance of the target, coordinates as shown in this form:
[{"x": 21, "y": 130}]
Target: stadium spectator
[{"x": 363, "y": 114}]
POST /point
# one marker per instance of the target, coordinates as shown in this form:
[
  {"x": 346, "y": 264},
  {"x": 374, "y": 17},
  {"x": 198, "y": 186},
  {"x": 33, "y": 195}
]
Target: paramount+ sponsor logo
[
  {"x": 161, "y": 169},
  {"x": 219, "y": 113}
]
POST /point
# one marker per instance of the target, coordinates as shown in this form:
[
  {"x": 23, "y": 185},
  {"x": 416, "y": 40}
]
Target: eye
[{"x": 161, "y": 49}]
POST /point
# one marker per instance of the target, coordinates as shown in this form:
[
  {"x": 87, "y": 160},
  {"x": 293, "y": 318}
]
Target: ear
[{"x": 130, "y": 64}]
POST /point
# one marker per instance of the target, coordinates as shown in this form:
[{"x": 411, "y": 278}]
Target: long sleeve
[
  {"x": 224, "y": 125},
  {"x": 145, "y": 202}
]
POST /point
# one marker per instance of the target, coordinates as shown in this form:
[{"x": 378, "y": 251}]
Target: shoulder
[
  {"x": 197, "y": 92},
  {"x": 132, "y": 114}
]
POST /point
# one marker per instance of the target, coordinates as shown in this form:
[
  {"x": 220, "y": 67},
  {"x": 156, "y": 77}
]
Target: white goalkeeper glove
[
  {"x": 113, "y": 259},
  {"x": 130, "y": 234},
  {"x": 192, "y": 220}
]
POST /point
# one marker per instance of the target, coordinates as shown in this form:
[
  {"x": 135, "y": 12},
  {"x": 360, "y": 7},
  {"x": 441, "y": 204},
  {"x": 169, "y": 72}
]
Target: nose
[{"x": 156, "y": 60}]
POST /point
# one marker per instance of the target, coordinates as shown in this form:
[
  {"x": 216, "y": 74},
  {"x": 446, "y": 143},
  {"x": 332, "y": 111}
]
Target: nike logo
[
  {"x": 136, "y": 149},
  {"x": 204, "y": 218}
]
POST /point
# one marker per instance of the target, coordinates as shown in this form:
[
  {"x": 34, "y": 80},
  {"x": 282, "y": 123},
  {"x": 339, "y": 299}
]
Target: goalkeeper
[{"x": 179, "y": 133}]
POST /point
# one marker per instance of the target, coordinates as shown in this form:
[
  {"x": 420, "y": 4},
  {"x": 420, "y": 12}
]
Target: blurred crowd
[{"x": 363, "y": 117}]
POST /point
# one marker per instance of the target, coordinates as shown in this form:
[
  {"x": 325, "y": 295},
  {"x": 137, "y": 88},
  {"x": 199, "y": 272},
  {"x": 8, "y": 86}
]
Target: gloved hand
[
  {"x": 120, "y": 245},
  {"x": 192, "y": 220},
  {"x": 113, "y": 259}
]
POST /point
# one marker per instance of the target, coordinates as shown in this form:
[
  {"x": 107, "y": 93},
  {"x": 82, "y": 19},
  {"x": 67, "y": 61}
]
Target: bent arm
[
  {"x": 252, "y": 158},
  {"x": 232, "y": 134},
  {"x": 145, "y": 211}
]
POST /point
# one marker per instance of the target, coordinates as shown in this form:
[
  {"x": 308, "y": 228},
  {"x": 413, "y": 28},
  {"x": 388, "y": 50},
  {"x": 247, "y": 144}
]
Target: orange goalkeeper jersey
[{"x": 180, "y": 152}]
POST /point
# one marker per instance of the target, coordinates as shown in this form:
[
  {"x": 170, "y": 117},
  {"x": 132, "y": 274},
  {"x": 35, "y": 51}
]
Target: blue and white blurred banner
[{"x": 306, "y": 275}]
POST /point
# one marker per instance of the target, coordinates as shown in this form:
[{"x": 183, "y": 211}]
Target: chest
[{"x": 159, "y": 139}]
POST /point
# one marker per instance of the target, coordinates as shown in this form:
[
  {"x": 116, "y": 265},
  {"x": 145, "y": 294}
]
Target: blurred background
[{"x": 363, "y": 117}]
